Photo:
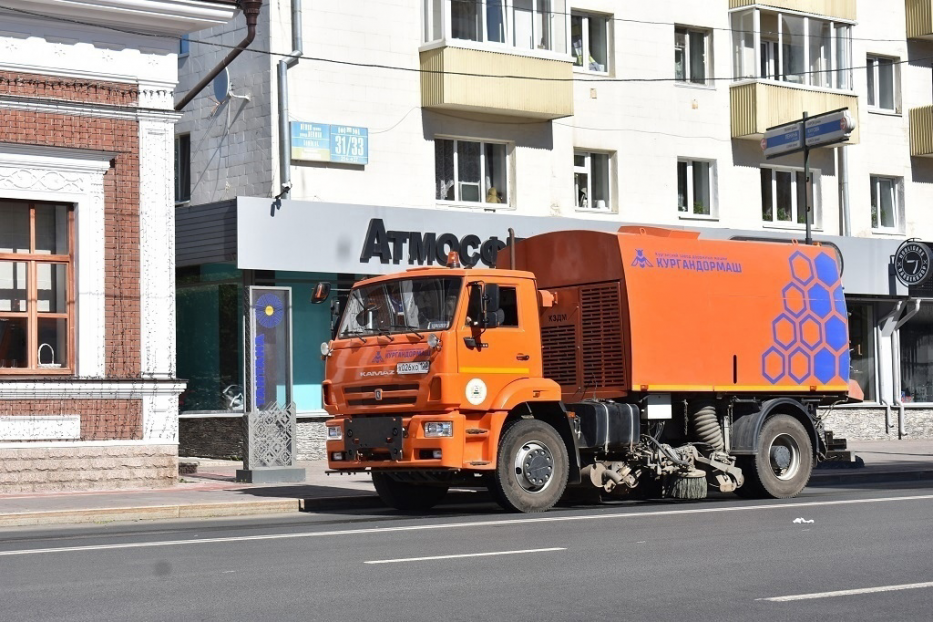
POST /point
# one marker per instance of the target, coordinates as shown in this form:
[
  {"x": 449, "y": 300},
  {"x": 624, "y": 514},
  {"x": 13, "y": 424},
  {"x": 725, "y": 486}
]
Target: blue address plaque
[{"x": 317, "y": 142}]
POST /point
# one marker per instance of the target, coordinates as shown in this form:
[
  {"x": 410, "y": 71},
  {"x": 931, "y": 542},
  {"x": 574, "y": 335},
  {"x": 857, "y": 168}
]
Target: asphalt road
[{"x": 718, "y": 559}]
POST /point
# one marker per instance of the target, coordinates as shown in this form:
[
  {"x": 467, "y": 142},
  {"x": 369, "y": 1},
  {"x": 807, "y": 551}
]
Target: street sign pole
[{"x": 806, "y": 179}]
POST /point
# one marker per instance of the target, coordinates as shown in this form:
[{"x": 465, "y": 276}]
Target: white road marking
[
  {"x": 492, "y": 554},
  {"x": 867, "y": 590},
  {"x": 488, "y": 523}
]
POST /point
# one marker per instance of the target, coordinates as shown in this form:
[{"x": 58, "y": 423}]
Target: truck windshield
[{"x": 401, "y": 306}]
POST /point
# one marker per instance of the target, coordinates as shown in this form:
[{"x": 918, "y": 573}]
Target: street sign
[
  {"x": 783, "y": 139},
  {"x": 829, "y": 128},
  {"x": 317, "y": 142}
]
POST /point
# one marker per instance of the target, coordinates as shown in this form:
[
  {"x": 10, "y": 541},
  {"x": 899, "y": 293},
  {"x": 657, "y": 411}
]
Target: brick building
[{"x": 88, "y": 389}]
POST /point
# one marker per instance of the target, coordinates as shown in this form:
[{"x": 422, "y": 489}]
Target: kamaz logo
[
  {"x": 382, "y": 372},
  {"x": 640, "y": 260}
]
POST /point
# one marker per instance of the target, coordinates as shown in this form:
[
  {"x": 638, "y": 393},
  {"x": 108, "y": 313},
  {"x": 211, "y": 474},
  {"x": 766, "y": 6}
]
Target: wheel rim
[
  {"x": 784, "y": 456},
  {"x": 534, "y": 467}
]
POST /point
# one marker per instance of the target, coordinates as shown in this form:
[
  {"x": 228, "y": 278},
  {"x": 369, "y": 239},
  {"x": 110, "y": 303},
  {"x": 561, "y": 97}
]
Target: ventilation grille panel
[
  {"x": 560, "y": 354},
  {"x": 603, "y": 359}
]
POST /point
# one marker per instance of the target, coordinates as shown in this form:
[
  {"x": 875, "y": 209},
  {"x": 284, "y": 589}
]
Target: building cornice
[{"x": 168, "y": 17}]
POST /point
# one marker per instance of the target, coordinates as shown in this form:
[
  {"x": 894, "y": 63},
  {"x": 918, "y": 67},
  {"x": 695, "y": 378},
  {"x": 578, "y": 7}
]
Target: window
[
  {"x": 694, "y": 188},
  {"x": 784, "y": 198},
  {"x": 182, "y": 168},
  {"x": 884, "y": 202},
  {"x": 522, "y": 24},
  {"x": 591, "y": 180},
  {"x": 882, "y": 83},
  {"x": 589, "y": 42},
  {"x": 184, "y": 45},
  {"x": 508, "y": 305},
  {"x": 691, "y": 55},
  {"x": 916, "y": 338},
  {"x": 792, "y": 48},
  {"x": 36, "y": 298},
  {"x": 471, "y": 171},
  {"x": 862, "y": 348}
]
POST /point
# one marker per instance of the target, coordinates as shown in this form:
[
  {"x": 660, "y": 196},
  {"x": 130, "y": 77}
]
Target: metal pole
[{"x": 806, "y": 177}]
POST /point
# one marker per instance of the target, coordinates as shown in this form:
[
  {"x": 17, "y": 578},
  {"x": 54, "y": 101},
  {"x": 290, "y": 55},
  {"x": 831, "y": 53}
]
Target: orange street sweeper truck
[{"x": 647, "y": 362}]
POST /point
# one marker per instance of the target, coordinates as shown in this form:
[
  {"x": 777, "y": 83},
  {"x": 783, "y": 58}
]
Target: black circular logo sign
[{"x": 912, "y": 263}]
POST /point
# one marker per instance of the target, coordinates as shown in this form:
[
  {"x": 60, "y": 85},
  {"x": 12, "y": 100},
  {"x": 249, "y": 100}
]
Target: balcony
[
  {"x": 500, "y": 58},
  {"x": 842, "y": 9},
  {"x": 920, "y": 19},
  {"x": 921, "y": 131},
  {"x": 757, "y": 105},
  {"x": 448, "y": 82}
]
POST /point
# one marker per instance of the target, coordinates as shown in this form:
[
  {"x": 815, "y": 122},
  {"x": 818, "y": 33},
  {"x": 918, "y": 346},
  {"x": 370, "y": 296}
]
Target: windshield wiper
[{"x": 354, "y": 333}]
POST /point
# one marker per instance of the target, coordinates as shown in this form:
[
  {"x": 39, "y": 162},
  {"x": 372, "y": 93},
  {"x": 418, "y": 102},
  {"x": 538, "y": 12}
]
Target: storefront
[{"x": 222, "y": 249}]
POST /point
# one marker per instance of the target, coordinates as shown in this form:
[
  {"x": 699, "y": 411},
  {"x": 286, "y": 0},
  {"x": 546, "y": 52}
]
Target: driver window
[{"x": 508, "y": 306}]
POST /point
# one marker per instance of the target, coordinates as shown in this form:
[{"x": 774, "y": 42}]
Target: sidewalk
[{"x": 212, "y": 492}]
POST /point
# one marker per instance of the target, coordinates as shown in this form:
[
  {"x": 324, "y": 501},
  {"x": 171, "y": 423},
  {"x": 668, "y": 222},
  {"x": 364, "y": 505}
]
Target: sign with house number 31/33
[{"x": 318, "y": 142}]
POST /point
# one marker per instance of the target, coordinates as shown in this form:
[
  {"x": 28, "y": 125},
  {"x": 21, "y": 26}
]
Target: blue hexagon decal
[
  {"x": 839, "y": 301},
  {"x": 824, "y": 365},
  {"x": 844, "y": 365},
  {"x": 795, "y": 300},
  {"x": 826, "y": 269},
  {"x": 811, "y": 332},
  {"x": 799, "y": 365},
  {"x": 785, "y": 331},
  {"x": 836, "y": 335},
  {"x": 772, "y": 365},
  {"x": 801, "y": 268},
  {"x": 820, "y": 302}
]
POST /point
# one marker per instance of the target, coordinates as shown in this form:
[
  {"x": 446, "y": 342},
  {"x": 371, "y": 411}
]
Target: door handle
[{"x": 523, "y": 357}]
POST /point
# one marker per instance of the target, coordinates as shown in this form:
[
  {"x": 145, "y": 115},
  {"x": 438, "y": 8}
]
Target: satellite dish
[{"x": 222, "y": 85}]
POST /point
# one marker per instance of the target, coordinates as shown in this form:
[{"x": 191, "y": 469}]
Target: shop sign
[
  {"x": 912, "y": 262},
  {"x": 318, "y": 142},
  {"x": 426, "y": 248}
]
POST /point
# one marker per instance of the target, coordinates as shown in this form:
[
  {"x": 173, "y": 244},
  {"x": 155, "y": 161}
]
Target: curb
[
  {"x": 156, "y": 512},
  {"x": 868, "y": 477}
]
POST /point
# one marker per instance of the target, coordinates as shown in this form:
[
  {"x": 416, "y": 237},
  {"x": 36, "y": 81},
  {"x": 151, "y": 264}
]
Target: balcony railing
[
  {"x": 919, "y": 19},
  {"x": 921, "y": 131},
  {"x": 757, "y": 105},
  {"x": 842, "y": 9}
]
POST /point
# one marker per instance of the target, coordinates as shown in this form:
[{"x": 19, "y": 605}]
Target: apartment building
[
  {"x": 368, "y": 137},
  {"x": 88, "y": 391}
]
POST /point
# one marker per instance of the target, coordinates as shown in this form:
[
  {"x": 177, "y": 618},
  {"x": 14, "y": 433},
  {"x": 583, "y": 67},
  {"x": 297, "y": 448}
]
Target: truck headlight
[
  {"x": 326, "y": 349},
  {"x": 435, "y": 429},
  {"x": 334, "y": 433}
]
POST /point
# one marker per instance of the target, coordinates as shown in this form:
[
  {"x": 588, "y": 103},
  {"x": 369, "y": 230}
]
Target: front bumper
[{"x": 376, "y": 442}]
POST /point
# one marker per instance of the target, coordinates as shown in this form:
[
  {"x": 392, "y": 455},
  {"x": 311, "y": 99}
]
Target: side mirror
[
  {"x": 492, "y": 316},
  {"x": 321, "y": 292}
]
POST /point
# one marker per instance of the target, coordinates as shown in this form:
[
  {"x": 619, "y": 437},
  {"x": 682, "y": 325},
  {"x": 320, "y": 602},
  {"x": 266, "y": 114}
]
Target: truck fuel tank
[{"x": 607, "y": 425}]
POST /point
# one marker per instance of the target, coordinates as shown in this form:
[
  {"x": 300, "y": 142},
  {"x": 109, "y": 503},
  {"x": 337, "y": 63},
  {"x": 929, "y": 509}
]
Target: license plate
[{"x": 415, "y": 367}]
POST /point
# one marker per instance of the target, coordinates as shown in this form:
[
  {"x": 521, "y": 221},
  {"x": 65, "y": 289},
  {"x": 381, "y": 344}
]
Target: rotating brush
[{"x": 689, "y": 485}]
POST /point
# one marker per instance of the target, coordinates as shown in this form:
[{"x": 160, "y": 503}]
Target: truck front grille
[{"x": 392, "y": 395}]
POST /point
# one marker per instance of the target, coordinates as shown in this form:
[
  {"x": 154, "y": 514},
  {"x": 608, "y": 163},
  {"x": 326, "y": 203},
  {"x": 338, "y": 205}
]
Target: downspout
[
  {"x": 285, "y": 143},
  {"x": 846, "y": 223},
  {"x": 251, "y": 10}
]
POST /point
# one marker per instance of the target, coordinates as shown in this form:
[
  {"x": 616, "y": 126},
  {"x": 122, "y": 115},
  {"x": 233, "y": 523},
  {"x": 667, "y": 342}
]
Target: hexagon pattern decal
[{"x": 811, "y": 343}]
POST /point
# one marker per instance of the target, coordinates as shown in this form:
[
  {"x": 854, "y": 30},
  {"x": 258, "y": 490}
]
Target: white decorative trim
[
  {"x": 40, "y": 427},
  {"x": 71, "y": 389},
  {"x": 60, "y": 444},
  {"x": 90, "y": 110}
]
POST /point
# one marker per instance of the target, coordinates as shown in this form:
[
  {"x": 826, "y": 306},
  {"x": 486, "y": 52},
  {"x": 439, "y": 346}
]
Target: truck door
[{"x": 491, "y": 358}]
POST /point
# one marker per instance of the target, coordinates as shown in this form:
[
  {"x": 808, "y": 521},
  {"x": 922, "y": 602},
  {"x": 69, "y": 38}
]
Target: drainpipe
[
  {"x": 845, "y": 221},
  {"x": 285, "y": 143},
  {"x": 251, "y": 10}
]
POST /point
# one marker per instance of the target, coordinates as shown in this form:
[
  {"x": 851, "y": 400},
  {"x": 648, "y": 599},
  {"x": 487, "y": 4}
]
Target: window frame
[
  {"x": 184, "y": 45},
  {"x": 458, "y": 201},
  {"x": 793, "y": 222},
  {"x": 707, "y": 35},
  {"x": 691, "y": 190},
  {"x": 587, "y": 169},
  {"x": 32, "y": 259},
  {"x": 897, "y": 185},
  {"x": 838, "y": 46},
  {"x": 586, "y": 54},
  {"x": 873, "y": 83},
  {"x": 557, "y": 35},
  {"x": 182, "y": 169}
]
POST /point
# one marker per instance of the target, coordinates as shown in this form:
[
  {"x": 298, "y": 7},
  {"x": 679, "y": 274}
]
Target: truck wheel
[
  {"x": 532, "y": 467},
  {"x": 782, "y": 466},
  {"x": 405, "y": 495}
]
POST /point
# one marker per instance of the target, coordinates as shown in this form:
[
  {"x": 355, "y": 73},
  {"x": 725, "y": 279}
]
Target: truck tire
[
  {"x": 781, "y": 468},
  {"x": 405, "y": 495},
  {"x": 532, "y": 467}
]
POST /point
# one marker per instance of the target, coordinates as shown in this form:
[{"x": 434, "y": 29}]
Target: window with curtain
[
  {"x": 691, "y": 55},
  {"x": 471, "y": 171},
  {"x": 694, "y": 187}
]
